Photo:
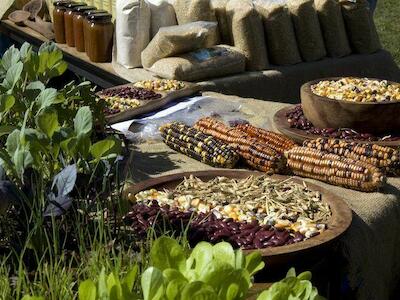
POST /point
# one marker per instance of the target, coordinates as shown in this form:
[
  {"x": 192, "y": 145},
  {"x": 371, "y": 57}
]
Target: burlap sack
[
  {"x": 219, "y": 7},
  {"x": 248, "y": 33},
  {"x": 162, "y": 15},
  {"x": 201, "y": 64},
  {"x": 307, "y": 28},
  {"x": 280, "y": 36},
  {"x": 179, "y": 39},
  {"x": 360, "y": 26},
  {"x": 333, "y": 29}
]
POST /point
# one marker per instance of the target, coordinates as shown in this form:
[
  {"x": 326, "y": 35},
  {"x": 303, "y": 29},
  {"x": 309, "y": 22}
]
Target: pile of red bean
[
  {"x": 296, "y": 119},
  {"x": 131, "y": 93},
  {"x": 202, "y": 227}
]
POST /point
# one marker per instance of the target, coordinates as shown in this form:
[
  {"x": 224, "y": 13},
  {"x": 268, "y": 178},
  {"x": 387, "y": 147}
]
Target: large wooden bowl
[
  {"x": 274, "y": 257},
  {"x": 324, "y": 112}
]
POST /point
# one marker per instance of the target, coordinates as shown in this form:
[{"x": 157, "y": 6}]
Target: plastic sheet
[{"x": 188, "y": 112}]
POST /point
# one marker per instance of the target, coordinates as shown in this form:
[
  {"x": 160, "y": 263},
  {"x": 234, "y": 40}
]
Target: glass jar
[
  {"x": 68, "y": 22},
  {"x": 58, "y": 20},
  {"x": 77, "y": 20},
  {"x": 101, "y": 31},
  {"x": 86, "y": 26}
]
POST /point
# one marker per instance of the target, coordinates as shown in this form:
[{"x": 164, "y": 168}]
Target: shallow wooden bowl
[
  {"x": 19, "y": 16},
  {"x": 324, "y": 112},
  {"x": 273, "y": 256}
]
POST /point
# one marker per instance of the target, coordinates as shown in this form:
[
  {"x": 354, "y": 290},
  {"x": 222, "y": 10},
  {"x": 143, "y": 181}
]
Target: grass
[{"x": 388, "y": 25}]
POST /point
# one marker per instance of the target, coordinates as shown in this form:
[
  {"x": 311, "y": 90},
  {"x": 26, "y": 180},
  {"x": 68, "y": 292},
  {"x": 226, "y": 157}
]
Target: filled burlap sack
[
  {"x": 132, "y": 31},
  {"x": 219, "y": 7},
  {"x": 333, "y": 29},
  {"x": 162, "y": 15},
  {"x": 248, "y": 33},
  {"x": 307, "y": 29},
  {"x": 201, "y": 64},
  {"x": 179, "y": 39},
  {"x": 360, "y": 26},
  {"x": 279, "y": 31}
]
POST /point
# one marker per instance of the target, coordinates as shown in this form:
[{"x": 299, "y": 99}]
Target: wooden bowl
[
  {"x": 273, "y": 256},
  {"x": 19, "y": 17},
  {"x": 323, "y": 112}
]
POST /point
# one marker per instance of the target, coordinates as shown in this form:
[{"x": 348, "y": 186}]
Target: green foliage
[{"x": 292, "y": 288}]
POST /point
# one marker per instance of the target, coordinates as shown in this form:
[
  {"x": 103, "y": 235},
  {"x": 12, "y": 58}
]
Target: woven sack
[
  {"x": 307, "y": 29},
  {"x": 219, "y": 7},
  {"x": 279, "y": 31},
  {"x": 201, "y": 64}
]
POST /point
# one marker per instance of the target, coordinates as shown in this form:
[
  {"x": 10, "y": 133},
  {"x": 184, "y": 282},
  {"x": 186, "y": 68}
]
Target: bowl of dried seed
[
  {"x": 280, "y": 216},
  {"x": 363, "y": 104}
]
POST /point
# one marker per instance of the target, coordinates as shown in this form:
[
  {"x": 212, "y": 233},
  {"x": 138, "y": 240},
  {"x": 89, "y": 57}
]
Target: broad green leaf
[
  {"x": 102, "y": 148},
  {"x": 236, "y": 285},
  {"x": 36, "y": 85},
  {"x": 22, "y": 159},
  {"x": 202, "y": 255},
  {"x": 240, "y": 259},
  {"x": 114, "y": 287},
  {"x": 12, "y": 142},
  {"x": 232, "y": 292},
  {"x": 254, "y": 262},
  {"x": 278, "y": 291},
  {"x": 65, "y": 180},
  {"x": 223, "y": 252},
  {"x": 46, "y": 98},
  {"x": 12, "y": 76},
  {"x": 173, "y": 274},
  {"x": 215, "y": 273},
  {"x": 87, "y": 290},
  {"x": 10, "y": 58},
  {"x": 54, "y": 57},
  {"x": 198, "y": 291},
  {"x": 152, "y": 284},
  {"x": 305, "y": 276},
  {"x": 102, "y": 291},
  {"x": 291, "y": 273},
  {"x": 58, "y": 69},
  {"x": 302, "y": 289},
  {"x": 47, "y": 121},
  {"x": 174, "y": 289},
  {"x": 6, "y": 102},
  {"x": 83, "y": 121},
  {"x": 6, "y": 129},
  {"x": 25, "y": 50},
  {"x": 83, "y": 144},
  {"x": 167, "y": 253},
  {"x": 130, "y": 278},
  {"x": 69, "y": 146}
]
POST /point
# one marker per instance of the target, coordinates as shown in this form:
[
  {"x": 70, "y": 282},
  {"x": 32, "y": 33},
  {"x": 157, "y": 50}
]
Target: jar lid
[
  {"x": 82, "y": 9},
  {"x": 94, "y": 11},
  {"x": 74, "y": 5},
  {"x": 100, "y": 17},
  {"x": 62, "y": 3}
]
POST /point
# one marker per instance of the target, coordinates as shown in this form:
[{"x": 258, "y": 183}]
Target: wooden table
[{"x": 101, "y": 74}]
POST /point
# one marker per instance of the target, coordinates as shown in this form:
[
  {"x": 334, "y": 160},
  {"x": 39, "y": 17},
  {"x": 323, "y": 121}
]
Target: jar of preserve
[
  {"x": 86, "y": 26},
  {"x": 101, "y": 31},
  {"x": 68, "y": 22},
  {"x": 58, "y": 20},
  {"x": 77, "y": 20}
]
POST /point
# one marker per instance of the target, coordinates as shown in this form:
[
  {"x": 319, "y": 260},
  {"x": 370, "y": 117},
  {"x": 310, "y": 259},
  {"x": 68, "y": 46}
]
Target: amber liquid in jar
[
  {"x": 77, "y": 20},
  {"x": 86, "y": 25},
  {"x": 68, "y": 23},
  {"x": 100, "y": 32},
  {"x": 58, "y": 20}
]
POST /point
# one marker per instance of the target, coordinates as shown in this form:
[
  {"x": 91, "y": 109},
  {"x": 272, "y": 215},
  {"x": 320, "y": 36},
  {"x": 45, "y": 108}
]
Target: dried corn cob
[
  {"x": 198, "y": 145},
  {"x": 256, "y": 153},
  {"x": 334, "y": 169},
  {"x": 276, "y": 141},
  {"x": 383, "y": 157}
]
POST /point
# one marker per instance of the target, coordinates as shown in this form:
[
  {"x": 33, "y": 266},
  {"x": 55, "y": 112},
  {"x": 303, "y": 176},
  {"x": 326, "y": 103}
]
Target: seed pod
[
  {"x": 386, "y": 158},
  {"x": 255, "y": 152},
  {"x": 198, "y": 145},
  {"x": 277, "y": 141},
  {"x": 334, "y": 169}
]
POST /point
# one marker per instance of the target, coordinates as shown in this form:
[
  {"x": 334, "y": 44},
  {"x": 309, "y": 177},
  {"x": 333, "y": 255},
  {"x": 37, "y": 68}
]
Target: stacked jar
[{"x": 84, "y": 27}]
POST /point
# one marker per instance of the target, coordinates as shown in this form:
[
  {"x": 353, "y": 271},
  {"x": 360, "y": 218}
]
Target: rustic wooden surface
[
  {"x": 374, "y": 117},
  {"x": 273, "y": 256},
  {"x": 101, "y": 74},
  {"x": 281, "y": 123}
]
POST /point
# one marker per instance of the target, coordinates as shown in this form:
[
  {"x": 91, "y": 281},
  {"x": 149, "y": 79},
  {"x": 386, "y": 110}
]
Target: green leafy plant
[{"x": 292, "y": 288}]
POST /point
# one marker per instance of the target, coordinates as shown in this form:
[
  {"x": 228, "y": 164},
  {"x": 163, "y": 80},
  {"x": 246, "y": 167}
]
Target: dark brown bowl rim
[
  {"x": 307, "y": 88},
  {"x": 337, "y": 225}
]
